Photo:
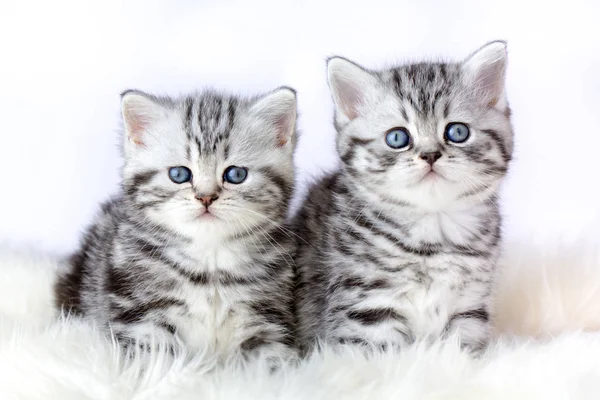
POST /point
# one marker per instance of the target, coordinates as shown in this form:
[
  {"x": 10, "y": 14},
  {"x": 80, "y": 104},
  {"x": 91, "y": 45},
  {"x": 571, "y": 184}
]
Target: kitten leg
[
  {"x": 145, "y": 337},
  {"x": 275, "y": 352},
  {"x": 374, "y": 328},
  {"x": 472, "y": 328}
]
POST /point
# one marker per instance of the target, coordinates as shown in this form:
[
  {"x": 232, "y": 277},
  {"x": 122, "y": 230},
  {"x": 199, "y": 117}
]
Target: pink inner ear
[
  {"x": 349, "y": 99},
  {"x": 488, "y": 83},
  {"x": 136, "y": 125},
  {"x": 284, "y": 128}
]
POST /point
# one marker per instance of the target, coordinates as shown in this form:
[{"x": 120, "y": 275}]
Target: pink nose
[{"x": 207, "y": 200}]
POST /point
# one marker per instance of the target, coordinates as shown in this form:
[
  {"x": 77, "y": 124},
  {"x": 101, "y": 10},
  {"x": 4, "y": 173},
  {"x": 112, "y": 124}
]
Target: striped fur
[
  {"x": 389, "y": 254},
  {"x": 156, "y": 263}
]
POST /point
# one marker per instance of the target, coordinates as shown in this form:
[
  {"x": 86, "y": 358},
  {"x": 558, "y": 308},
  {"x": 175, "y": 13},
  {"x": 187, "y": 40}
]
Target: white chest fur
[
  {"x": 215, "y": 315},
  {"x": 453, "y": 226}
]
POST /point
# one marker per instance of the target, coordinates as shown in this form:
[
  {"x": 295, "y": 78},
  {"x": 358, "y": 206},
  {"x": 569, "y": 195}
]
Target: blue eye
[
  {"x": 180, "y": 174},
  {"x": 397, "y": 138},
  {"x": 235, "y": 174},
  {"x": 457, "y": 132}
]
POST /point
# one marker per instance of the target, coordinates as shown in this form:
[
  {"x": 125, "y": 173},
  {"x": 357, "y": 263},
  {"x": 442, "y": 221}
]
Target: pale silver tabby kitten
[
  {"x": 192, "y": 251},
  {"x": 400, "y": 244}
]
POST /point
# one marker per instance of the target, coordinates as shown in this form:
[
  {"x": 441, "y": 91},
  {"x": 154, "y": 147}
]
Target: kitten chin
[{"x": 193, "y": 248}]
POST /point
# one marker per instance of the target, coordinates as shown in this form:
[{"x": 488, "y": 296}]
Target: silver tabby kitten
[
  {"x": 192, "y": 250},
  {"x": 400, "y": 244}
]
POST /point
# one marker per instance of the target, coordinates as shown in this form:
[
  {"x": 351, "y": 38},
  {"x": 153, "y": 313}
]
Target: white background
[{"x": 62, "y": 67}]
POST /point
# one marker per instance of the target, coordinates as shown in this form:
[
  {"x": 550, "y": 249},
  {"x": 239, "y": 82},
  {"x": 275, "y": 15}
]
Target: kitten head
[
  {"x": 209, "y": 165},
  {"x": 429, "y": 134}
]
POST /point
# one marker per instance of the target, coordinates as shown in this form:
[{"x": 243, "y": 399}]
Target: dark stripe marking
[
  {"x": 375, "y": 316},
  {"x": 495, "y": 136},
  {"x": 132, "y": 185},
  {"x": 138, "y": 312},
  {"x": 479, "y": 314}
]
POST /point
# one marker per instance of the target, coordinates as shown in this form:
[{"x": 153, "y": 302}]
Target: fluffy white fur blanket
[{"x": 546, "y": 300}]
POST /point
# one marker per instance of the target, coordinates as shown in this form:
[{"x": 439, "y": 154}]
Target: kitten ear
[
  {"x": 350, "y": 85},
  {"x": 279, "y": 108},
  {"x": 140, "y": 111},
  {"x": 484, "y": 72}
]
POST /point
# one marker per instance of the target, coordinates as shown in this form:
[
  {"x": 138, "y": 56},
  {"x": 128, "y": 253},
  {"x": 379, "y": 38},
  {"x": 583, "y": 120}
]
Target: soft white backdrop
[{"x": 63, "y": 64}]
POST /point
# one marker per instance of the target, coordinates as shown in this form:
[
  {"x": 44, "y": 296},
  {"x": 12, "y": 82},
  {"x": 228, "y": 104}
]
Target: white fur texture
[
  {"x": 539, "y": 293},
  {"x": 548, "y": 290},
  {"x": 72, "y": 361},
  {"x": 26, "y": 280}
]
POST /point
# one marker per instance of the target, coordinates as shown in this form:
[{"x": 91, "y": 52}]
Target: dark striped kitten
[
  {"x": 401, "y": 242},
  {"x": 192, "y": 250}
]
